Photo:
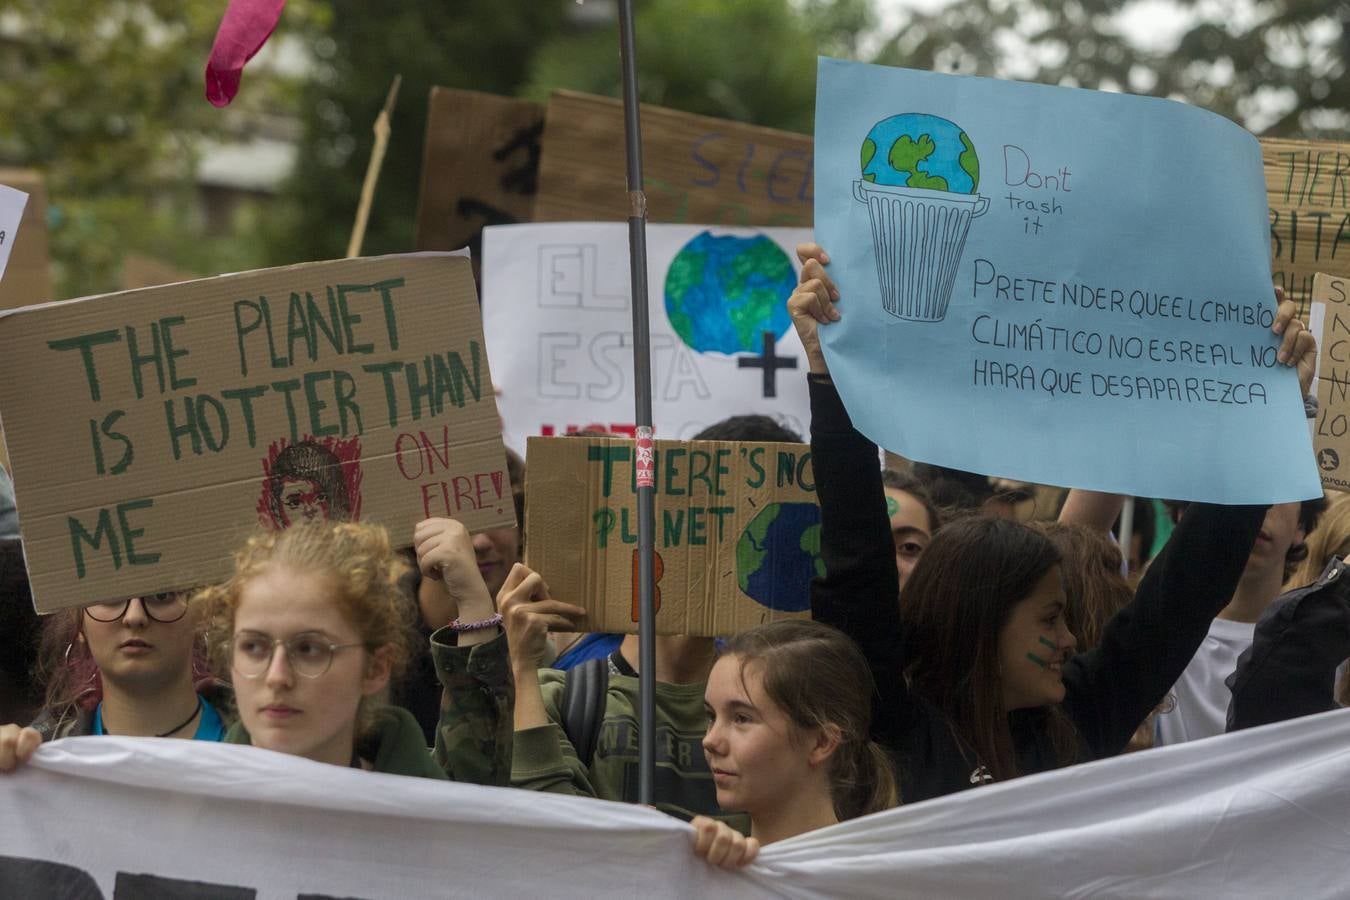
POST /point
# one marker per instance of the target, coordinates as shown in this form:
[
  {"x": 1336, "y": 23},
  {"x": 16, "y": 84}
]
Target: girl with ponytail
[{"x": 789, "y": 712}]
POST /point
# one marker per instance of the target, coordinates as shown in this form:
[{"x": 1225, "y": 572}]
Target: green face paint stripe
[
  {"x": 1050, "y": 644},
  {"x": 1037, "y": 660},
  {"x": 892, "y": 507}
]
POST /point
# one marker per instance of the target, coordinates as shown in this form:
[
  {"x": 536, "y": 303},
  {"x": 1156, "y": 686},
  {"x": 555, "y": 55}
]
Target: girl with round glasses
[
  {"x": 312, "y": 627},
  {"x": 128, "y": 667}
]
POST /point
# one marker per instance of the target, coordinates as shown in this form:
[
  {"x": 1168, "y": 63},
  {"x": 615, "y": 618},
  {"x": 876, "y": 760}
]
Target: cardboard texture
[
  {"x": 26, "y": 278},
  {"x": 695, "y": 168},
  {"x": 737, "y": 531},
  {"x": 357, "y": 388},
  {"x": 1308, "y": 183},
  {"x": 1331, "y": 432},
  {"x": 480, "y": 166}
]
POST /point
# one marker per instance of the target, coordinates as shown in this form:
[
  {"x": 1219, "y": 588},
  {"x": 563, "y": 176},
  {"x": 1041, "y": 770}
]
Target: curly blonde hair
[{"x": 359, "y": 563}]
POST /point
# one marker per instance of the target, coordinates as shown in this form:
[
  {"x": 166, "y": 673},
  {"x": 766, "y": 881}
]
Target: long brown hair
[
  {"x": 819, "y": 678},
  {"x": 1096, "y": 590},
  {"x": 955, "y": 605}
]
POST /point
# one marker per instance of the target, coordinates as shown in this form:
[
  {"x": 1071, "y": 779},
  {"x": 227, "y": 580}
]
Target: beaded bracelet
[{"x": 461, "y": 627}]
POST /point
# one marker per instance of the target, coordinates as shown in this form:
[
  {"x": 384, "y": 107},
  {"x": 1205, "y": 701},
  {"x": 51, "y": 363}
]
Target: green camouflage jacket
[
  {"x": 473, "y": 738},
  {"x": 543, "y": 759}
]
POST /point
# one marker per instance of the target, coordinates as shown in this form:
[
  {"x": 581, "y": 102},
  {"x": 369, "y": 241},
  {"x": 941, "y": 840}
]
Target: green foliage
[
  {"x": 752, "y": 60},
  {"x": 1276, "y": 66},
  {"x": 106, "y": 96},
  {"x": 94, "y": 96},
  {"x": 477, "y": 44}
]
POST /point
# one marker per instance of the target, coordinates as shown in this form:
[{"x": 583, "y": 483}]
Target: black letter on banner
[
  {"x": 39, "y": 879},
  {"x": 157, "y": 887}
]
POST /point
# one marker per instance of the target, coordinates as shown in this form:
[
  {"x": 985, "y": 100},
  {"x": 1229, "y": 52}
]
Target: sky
[{"x": 1155, "y": 24}]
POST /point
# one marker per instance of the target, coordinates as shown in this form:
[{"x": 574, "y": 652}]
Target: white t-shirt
[{"x": 1199, "y": 700}]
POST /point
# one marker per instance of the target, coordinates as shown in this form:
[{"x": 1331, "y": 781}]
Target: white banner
[
  {"x": 1262, "y": 813},
  {"x": 559, "y": 327}
]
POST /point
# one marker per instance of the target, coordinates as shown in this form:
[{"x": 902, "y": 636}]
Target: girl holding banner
[
  {"x": 789, "y": 711},
  {"x": 130, "y": 667},
  {"x": 313, "y": 625}
]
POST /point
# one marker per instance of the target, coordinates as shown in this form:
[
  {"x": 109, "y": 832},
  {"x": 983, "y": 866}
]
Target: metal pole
[{"x": 642, "y": 383}]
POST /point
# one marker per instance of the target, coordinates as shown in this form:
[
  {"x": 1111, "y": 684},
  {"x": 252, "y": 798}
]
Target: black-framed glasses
[
  {"x": 310, "y": 654},
  {"x": 165, "y": 608}
]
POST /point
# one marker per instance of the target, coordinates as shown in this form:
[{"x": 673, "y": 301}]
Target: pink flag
[{"x": 246, "y": 26}]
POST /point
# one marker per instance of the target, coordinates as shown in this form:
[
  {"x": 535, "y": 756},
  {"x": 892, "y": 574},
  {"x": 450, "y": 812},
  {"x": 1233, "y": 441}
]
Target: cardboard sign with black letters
[
  {"x": 695, "y": 168},
  {"x": 480, "y": 166},
  {"x": 152, "y": 430}
]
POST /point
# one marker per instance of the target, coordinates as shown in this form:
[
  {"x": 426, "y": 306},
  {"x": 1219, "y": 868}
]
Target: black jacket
[
  {"x": 1109, "y": 690},
  {"x": 1290, "y": 668}
]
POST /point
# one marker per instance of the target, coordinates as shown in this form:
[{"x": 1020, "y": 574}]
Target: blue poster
[{"x": 1055, "y": 285}]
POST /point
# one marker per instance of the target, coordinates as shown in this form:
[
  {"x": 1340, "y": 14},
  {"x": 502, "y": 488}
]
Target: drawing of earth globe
[
  {"x": 918, "y": 150},
  {"x": 723, "y": 293},
  {"x": 778, "y": 554}
]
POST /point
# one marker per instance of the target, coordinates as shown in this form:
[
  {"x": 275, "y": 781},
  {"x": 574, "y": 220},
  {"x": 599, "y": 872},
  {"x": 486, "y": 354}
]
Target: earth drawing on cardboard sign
[
  {"x": 778, "y": 554},
  {"x": 919, "y": 179}
]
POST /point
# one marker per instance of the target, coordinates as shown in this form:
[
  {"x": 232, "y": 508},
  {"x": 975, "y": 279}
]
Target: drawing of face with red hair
[{"x": 310, "y": 481}]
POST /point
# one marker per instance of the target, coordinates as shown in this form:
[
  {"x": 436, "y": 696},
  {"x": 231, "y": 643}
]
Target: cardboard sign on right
[
  {"x": 737, "y": 531},
  {"x": 1306, "y": 185},
  {"x": 1331, "y": 434}
]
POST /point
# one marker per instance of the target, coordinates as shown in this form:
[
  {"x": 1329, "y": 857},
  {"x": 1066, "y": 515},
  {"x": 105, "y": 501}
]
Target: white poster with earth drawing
[{"x": 559, "y": 327}]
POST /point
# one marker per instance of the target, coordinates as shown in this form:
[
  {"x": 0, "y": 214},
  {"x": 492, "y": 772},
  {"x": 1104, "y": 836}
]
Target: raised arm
[
  {"x": 1148, "y": 644},
  {"x": 473, "y": 736},
  {"x": 1092, "y": 509},
  {"x": 451, "y": 587},
  {"x": 1290, "y": 668},
  {"x": 543, "y": 759},
  {"x": 859, "y": 594}
]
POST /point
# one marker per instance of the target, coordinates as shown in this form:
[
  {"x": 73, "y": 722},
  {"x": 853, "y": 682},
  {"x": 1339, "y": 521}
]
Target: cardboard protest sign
[
  {"x": 695, "y": 168},
  {"x": 737, "y": 531},
  {"x": 1331, "y": 435},
  {"x": 1027, "y": 294},
  {"x": 559, "y": 325},
  {"x": 480, "y": 166},
  {"x": 152, "y": 430},
  {"x": 1308, "y": 185},
  {"x": 26, "y": 279}
]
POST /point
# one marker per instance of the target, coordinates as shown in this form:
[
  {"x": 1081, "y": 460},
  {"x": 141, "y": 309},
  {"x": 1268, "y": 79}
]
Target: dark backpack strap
[{"x": 583, "y": 706}]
